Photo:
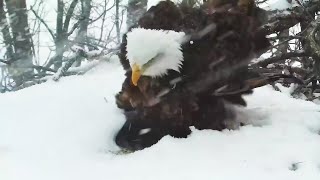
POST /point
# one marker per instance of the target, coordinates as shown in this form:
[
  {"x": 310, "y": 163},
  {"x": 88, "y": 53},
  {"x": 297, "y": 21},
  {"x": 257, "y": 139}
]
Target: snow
[
  {"x": 276, "y": 5},
  {"x": 282, "y": 4},
  {"x": 64, "y": 131}
]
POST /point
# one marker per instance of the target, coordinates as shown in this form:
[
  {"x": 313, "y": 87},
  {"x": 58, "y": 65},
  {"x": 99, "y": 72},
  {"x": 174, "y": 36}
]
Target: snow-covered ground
[{"x": 65, "y": 130}]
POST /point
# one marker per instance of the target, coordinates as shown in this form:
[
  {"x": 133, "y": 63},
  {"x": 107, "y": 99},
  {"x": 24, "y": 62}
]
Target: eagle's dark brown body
[{"x": 212, "y": 76}]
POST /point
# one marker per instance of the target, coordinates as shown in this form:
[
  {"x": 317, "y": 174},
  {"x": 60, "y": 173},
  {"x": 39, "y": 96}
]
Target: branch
[
  {"x": 30, "y": 83},
  {"x": 311, "y": 38},
  {"x": 44, "y": 23},
  {"x": 62, "y": 70},
  {"x": 85, "y": 68},
  {"x": 104, "y": 12},
  {"x": 265, "y": 62},
  {"x": 43, "y": 68},
  {"x": 4, "y": 62},
  {"x": 42, "y": 77},
  {"x": 282, "y": 20},
  {"x": 69, "y": 15},
  {"x": 260, "y": 2},
  {"x": 80, "y": 53},
  {"x": 313, "y": 44},
  {"x": 53, "y": 58},
  {"x": 74, "y": 27}
]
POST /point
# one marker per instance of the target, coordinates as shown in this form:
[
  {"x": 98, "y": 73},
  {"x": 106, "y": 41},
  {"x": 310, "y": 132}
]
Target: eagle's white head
[{"x": 153, "y": 52}]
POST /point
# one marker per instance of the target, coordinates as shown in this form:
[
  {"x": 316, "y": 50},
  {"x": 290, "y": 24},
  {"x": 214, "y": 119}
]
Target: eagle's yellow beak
[{"x": 136, "y": 74}]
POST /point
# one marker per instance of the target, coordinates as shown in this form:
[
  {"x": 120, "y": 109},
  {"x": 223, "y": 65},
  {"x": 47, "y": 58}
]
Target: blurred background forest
[{"x": 45, "y": 40}]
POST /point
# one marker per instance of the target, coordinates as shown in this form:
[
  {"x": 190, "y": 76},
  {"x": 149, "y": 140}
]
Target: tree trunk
[
  {"x": 21, "y": 67},
  {"x": 117, "y": 21},
  {"x": 60, "y": 36},
  {"x": 83, "y": 27},
  {"x": 5, "y": 30}
]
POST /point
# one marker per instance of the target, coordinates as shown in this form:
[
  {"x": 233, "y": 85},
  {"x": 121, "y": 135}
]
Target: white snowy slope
[{"x": 64, "y": 131}]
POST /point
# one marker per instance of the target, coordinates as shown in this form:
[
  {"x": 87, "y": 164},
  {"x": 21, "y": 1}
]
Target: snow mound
[{"x": 65, "y": 131}]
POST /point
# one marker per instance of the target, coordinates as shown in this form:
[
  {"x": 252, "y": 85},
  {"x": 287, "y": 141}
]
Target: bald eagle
[{"x": 185, "y": 66}]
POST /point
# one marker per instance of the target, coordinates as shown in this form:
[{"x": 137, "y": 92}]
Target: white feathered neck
[{"x": 163, "y": 45}]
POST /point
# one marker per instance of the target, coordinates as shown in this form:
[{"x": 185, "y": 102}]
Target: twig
[
  {"x": 44, "y": 23},
  {"x": 265, "y": 62},
  {"x": 282, "y": 20}
]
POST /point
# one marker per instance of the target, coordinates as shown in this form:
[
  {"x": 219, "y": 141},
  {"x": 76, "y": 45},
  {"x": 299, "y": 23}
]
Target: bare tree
[
  {"x": 71, "y": 38},
  {"x": 72, "y": 42}
]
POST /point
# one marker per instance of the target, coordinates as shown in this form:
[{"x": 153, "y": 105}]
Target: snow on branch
[
  {"x": 279, "y": 20},
  {"x": 80, "y": 53}
]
